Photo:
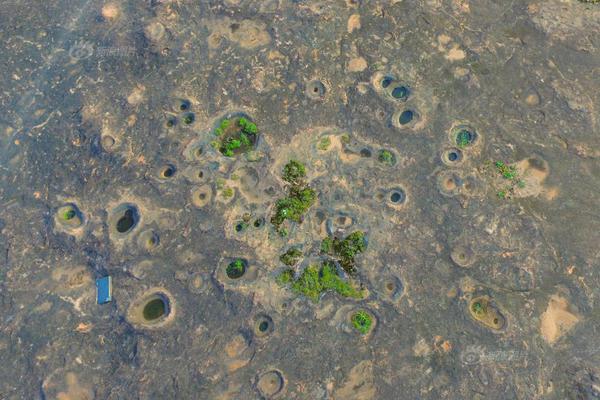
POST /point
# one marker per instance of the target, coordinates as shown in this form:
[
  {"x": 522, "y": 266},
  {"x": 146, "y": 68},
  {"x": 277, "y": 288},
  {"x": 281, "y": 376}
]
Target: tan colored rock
[
  {"x": 557, "y": 320},
  {"x": 353, "y": 23},
  {"x": 357, "y": 64}
]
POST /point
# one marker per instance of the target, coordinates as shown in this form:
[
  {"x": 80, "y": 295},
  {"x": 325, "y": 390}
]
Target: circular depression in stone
[
  {"x": 452, "y": 156},
  {"x": 486, "y": 313},
  {"x": 171, "y": 121},
  {"x": 69, "y": 216},
  {"x": 149, "y": 240},
  {"x": 392, "y": 288},
  {"x": 463, "y": 136},
  {"x": 108, "y": 142},
  {"x": 124, "y": 218},
  {"x": 406, "y": 118},
  {"x": 188, "y": 118},
  {"x": 194, "y": 151},
  {"x": 236, "y": 268},
  {"x": 385, "y": 81},
  {"x": 397, "y": 196},
  {"x": 362, "y": 321},
  {"x": 270, "y": 384},
  {"x": 152, "y": 309},
  {"x": 259, "y": 222},
  {"x": 182, "y": 105},
  {"x": 196, "y": 283},
  {"x": 398, "y": 91},
  {"x": 201, "y": 196},
  {"x": 462, "y": 255},
  {"x": 167, "y": 171},
  {"x": 449, "y": 183},
  {"x": 263, "y": 325},
  {"x": 316, "y": 90}
]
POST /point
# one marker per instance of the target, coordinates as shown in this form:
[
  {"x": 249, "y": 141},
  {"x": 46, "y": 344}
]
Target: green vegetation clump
[
  {"x": 222, "y": 126},
  {"x": 314, "y": 281},
  {"x": 508, "y": 172},
  {"x": 362, "y": 321},
  {"x": 237, "y": 138},
  {"x": 324, "y": 143},
  {"x": 227, "y": 192},
  {"x": 346, "y": 249},
  {"x": 285, "y": 277},
  {"x": 236, "y": 268},
  {"x": 386, "y": 157},
  {"x": 294, "y": 172},
  {"x": 291, "y": 257},
  {"x": 299, "y": 199}
]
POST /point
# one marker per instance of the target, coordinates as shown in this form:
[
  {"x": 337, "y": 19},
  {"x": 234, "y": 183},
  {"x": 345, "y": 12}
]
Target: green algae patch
[
  {"x": 315, "y": 280},
  {"x": 299, "y": 199},
  {"x": 291, "y": 257},
  {"x": 345, "y": 249},
  {"x": 237, "y": 135},
  {"x": 236, "y": 268},
  {"x": 362, "y": 321},
  {"x": 386, "y": 157}
]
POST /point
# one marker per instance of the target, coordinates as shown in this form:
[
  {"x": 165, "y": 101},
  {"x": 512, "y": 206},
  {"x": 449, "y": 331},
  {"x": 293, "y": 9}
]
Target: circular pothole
[
  {"x": 270, "y": 384},
  {"x": 171, "y": 121},
  {"x": 362, "y": 321},
  {"x": 124, "y": 218},
  {"x": 201, "y": 196},
  {"x": 398, "y": 91},
  {"x": 152, "y": 309},
  {"x": 149, "y": 240},
  {"x": 464, "y": 136},
  {"x": 385, "y": 81},
  {"x": 259, "y": 222},
  {"x": 366, "y": 153},
  {"x": 183, "y": 105},
  {"x": 263, "y": 325},
  {"x": 188, "y": 118},
  {"x": 194, "y": 151},
  {"x": 196, "y": 283},
  {"x": 392, "y": 288},
  {"x": 69, "y": 216},
  {"x": 462, "y": 255},
  {"x": 449, "y": 183},
  {"x": 155, "y": 309},
  {"x": 486, "y": 313},
  {"x": 452, "y": 156},
  {"x": 406, "y": 117},
  {"x": 167, "y": 171},
  {"x": 108, "y": 142},
  {"x": 316, "y": 90},
  {"x": 236, "y": 268},
  {"x": 397, "y": 196}
]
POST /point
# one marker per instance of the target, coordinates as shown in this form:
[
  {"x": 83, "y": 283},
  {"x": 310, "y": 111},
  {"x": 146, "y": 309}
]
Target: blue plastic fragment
[{"x": 104, "y": 290}]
